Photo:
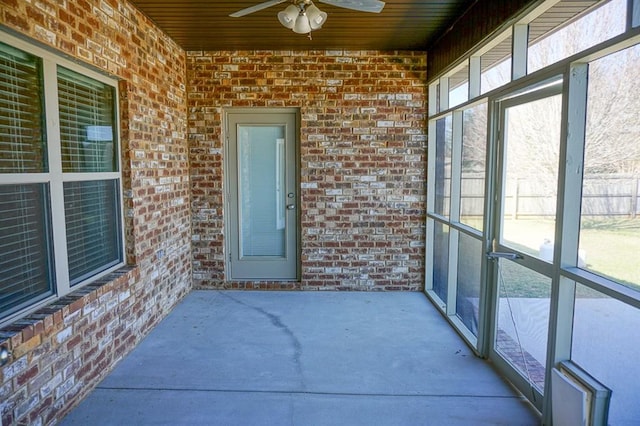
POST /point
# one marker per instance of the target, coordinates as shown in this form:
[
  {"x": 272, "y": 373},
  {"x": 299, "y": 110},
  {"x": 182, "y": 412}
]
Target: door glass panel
[
  {"x": 610, "y": 215},
  {"x": 523, "y": 319},
  {"x": 261, "y": 170},
  {"x": 468, "y": 289},
  {"x": 441, "y": 260},
  {"x": 532, "y": 139}
]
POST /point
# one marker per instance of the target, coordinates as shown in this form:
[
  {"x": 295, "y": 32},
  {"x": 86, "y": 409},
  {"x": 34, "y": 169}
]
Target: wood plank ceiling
[{"x": 206, "y": 25}]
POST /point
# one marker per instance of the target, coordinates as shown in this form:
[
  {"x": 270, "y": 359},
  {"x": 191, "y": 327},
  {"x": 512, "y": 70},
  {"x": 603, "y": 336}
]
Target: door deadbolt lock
[{"x": 290, "y": 195}]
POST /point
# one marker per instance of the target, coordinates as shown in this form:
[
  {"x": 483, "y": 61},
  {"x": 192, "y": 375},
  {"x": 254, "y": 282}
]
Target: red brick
[{"x": 24, "y": 378}]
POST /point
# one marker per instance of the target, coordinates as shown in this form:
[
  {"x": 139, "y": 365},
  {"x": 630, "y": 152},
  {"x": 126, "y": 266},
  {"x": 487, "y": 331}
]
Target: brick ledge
[{"x": 21, "y": 336}]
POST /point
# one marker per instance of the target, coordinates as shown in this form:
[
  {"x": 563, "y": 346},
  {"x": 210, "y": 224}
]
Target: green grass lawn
[{"x": 611, "y": 248}]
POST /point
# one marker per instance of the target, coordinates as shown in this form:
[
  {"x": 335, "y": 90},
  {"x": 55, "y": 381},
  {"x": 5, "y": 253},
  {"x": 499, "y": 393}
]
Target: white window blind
[
  {"x": 91, "y": 218},
  {"x": 22, "y": 144},
  {"x": 87, "y": 116},
  {"x": 86, "y": 123},
  {"x": 25, "y": 268}
]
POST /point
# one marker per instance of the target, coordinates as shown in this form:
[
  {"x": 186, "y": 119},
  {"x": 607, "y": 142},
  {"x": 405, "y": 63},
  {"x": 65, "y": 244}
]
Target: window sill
[{"x": 27, "y": 333}]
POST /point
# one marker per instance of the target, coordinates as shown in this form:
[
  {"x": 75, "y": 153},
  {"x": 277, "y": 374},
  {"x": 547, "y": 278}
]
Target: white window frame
[{"x": 55, "y": 178}]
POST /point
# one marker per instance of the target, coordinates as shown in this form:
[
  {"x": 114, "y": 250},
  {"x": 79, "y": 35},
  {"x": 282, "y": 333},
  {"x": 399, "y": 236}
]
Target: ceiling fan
[{"x": 302, "y": 16}]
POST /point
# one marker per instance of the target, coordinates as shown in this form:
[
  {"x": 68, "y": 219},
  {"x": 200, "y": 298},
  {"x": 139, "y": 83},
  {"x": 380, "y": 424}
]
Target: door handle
[
  {"x": 493, "y": 255},
  {"x": 291, "y": 206}
]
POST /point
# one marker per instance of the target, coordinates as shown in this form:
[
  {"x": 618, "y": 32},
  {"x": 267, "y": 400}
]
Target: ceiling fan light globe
[
  {"x": 288, "y": 16},
  {"x": 292, "y": 11},
  {"x": 316, "y": 17},
  {"x": 302, "y": 25},
  {"x": 285, "y": 20}
]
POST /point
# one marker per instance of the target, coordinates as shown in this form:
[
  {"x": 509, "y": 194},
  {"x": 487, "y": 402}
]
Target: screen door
[{"x": 525, "y": 224}]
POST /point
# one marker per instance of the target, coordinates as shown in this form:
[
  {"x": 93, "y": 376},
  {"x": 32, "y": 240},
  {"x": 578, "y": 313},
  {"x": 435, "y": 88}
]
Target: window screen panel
[
  {"x": 87, "y": 123},
  {"x": 22, "y": 139},
  {"x": 25, "y": 269},
  {"x": 444, "y": 135},
  {"x": 92, "y": 219}
]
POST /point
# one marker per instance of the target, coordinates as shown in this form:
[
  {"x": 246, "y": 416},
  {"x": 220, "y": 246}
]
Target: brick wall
[
  {"x": 64, "y": 349},
  {"x": 362, "y": 159}
]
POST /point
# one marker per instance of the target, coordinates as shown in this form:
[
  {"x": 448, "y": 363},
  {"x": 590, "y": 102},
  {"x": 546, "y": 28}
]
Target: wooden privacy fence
[{"x": 603, "y": 195}]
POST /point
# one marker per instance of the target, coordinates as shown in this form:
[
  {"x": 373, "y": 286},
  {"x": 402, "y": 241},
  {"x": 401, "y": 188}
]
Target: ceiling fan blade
[
  {"x": 256, "y": 8},
  {"x": 374, "y": 6}
]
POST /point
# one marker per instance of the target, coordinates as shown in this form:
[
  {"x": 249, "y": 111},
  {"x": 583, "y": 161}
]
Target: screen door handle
[{"x": 504, "y": 255}]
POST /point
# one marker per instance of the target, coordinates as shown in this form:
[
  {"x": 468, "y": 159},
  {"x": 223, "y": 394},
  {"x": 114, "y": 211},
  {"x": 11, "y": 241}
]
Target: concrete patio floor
[{"x": 303, "y": 358}]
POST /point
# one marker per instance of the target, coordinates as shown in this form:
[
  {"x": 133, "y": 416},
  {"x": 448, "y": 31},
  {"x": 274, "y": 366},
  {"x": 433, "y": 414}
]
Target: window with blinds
[{"x": 65, "y": 211}]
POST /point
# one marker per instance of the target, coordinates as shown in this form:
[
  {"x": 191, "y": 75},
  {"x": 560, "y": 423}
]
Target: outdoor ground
[{"x": 303, "y": 358}]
